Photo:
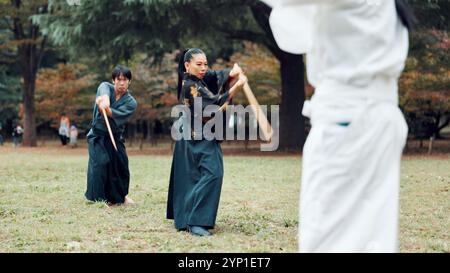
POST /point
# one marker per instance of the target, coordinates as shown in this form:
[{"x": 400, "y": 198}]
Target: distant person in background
[
  {"x": 17, "y": 135},
  {"x": 64, "y": 125},
  {"x": 73, "y": 136}
]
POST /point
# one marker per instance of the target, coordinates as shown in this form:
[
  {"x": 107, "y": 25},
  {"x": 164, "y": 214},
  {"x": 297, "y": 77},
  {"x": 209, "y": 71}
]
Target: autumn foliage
[{"x": 60, "y": 90}]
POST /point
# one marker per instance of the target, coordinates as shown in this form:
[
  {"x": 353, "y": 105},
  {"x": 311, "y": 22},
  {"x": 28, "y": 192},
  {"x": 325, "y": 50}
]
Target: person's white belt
[{"x": 335, "y": 102}]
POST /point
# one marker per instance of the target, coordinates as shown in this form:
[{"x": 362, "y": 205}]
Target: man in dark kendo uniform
[{"x": 108, "y": 176}]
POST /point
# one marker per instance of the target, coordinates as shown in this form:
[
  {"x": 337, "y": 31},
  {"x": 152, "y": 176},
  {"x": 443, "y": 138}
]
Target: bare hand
[
  {"x": 102, "y": 102},
  {"x": 236, "y": 70},
  {"x": 108, "y": 112}
]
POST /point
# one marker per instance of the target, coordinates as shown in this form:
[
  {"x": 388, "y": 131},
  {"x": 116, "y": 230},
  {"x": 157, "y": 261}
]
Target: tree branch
[
  {"x": 243, "y": 35},
  {"x": 18, "y": 29},
  {"x": 40, "y": 53},
  {"x": 8, "y": 24},
  {"x": 261, "y": 13}
]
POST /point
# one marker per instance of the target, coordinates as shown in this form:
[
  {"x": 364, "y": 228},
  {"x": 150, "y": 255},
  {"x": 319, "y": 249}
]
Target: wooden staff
[
  {"x": 263, "y": 123},
  {"x": 109, "y": 129}
]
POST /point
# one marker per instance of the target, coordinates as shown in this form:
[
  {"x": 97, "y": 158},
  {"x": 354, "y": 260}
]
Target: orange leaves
[
  {"x": 262, "y": 70},
  {"x": 58, "y": 90},
  {"x": 169, "y": 99}
]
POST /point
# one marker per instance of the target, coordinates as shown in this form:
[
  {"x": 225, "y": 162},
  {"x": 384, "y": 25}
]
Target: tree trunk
[
  {"x": 30, "y": 56},
  {"x": 292, "y": 123},
  {"x": 29, "y": 118}
]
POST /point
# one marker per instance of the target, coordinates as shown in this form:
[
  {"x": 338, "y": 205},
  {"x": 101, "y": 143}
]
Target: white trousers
[{"x": 349, "y": 200}]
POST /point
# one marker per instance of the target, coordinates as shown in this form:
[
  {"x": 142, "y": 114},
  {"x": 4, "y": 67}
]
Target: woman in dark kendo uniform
[{"x": 197, "y": 166}]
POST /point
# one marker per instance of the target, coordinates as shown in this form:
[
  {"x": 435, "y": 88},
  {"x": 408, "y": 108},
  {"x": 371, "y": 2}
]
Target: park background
[{"x": 53, "y": 55}]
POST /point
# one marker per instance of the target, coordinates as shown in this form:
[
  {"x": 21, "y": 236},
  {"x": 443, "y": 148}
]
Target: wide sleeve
[
  {"x": 192, "y": 90},
  {"x": 217, "y": 80},
  {"x": 122, "y": 113},
  {"x": 209, "y": 98}
]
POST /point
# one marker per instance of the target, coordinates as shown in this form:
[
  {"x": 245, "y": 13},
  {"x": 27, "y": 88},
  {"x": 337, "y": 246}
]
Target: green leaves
[
  {"x": 120, "y": 29},
  {"x": 10, "y": 94}
]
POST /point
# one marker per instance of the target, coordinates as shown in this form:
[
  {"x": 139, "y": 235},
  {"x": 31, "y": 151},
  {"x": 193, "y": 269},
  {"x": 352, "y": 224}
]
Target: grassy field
[{"x": 42, "y": 207}]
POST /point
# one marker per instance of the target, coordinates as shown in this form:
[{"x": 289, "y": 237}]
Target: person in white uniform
[{"x": 355, "y": 53}]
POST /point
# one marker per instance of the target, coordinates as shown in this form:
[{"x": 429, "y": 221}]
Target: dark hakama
[
  {"x": 108, "y": 175},
  {"x": 197, "y": 166}
]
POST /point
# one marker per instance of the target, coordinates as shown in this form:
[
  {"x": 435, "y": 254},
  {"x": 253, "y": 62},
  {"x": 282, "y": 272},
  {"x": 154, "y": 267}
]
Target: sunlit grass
[{"x": 43, "y": 209}]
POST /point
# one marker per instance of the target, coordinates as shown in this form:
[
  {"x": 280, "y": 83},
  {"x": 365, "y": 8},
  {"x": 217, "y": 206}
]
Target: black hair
[
  {"x": 186, "y": 56},
  {"x": 406, "y": 14},
  {"x": 121, "y": 70}
]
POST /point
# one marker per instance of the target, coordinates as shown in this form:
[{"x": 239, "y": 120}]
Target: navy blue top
[{"x": 121, "y": 110}]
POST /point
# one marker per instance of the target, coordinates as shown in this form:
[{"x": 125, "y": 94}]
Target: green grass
[
  {"x": 42, "y": 207},
  {"x": 425, "y": 205}
]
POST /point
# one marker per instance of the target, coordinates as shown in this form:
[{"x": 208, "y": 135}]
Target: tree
[
  {"x": 424, "y": 86},
  {"x": 120, "y": 29},
  {"x": 60, "y": 90},
  {"x": 26, "y": 45},
  {"x": 10, "y": 94},
  {"x": 263, "y": 69},
  {"x": 151, "y": 87},
  {"x": 292, "y": 123}
]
